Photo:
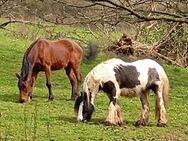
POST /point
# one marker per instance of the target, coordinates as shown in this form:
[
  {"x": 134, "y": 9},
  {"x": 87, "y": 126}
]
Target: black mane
[
  {"x": 25, "y": 68},
  {"x": 77, "y": 103},
  {"x": 26, "y": 62}
]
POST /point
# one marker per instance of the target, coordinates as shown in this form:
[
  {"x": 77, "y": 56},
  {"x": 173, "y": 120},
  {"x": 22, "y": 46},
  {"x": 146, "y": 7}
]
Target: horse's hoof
[
  {"x": 120, "y": 123},
  {"x": 161, "y": 124},
  {"x": 141, "y": 122},
  {"x": 51, "y": 98},
  {"x": 108, "y": 123}
]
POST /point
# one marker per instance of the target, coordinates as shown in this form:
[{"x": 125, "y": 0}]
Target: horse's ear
[{"x": 17, "y": 75}]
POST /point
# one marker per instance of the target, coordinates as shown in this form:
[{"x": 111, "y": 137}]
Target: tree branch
[
  {"x": 3, "y": 25},
  {"x": 176, "y": 18}
]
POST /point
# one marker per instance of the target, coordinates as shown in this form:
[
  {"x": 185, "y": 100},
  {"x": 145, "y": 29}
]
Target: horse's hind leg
[
  {"x": 160, "y": 108},
  {"x": 73, "y": 82},
  {"x": 145, "y": 110},
  {"x": 48, "y": 83},
  {"x": 78, "y": 78}
]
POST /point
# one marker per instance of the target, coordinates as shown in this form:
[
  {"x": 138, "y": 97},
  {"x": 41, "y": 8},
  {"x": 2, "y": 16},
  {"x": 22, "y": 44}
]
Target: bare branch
[
  {"x": 76, "y": 6},
  {"x": 142, "y": 16},
  {"x": 3, "y": 25}
]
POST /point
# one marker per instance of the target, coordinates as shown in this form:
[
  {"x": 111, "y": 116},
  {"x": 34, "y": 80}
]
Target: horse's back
[
  {"x": 57, "y": 54},
  {"x": 64, "y": 43},
  {"x": 105, "y": 68},
  {"x": 147, "y": 64},
  {"x": 140, "y": 65},
  {"x": 69, "y": 47},
  {"x": 118, "y": 69}
]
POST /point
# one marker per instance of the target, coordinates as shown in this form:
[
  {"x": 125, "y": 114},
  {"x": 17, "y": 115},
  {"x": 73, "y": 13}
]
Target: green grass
[{"x": 42, "y": 120}]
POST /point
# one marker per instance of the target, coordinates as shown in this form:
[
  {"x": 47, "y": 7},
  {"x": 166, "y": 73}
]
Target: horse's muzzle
[{"x": 23, "y": 100}]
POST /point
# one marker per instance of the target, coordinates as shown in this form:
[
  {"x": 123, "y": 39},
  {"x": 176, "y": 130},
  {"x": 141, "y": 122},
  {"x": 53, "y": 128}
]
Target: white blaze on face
[{"x": 80, "y": 112}]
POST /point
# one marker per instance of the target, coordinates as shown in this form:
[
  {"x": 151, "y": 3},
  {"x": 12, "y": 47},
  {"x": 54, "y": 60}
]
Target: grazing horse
[
  {"x": 119, "y": 78},
  {"x": 43, "y": 55}
]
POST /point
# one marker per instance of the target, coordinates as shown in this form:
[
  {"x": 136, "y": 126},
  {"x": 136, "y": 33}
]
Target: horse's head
[
  {"x": 83, "y": 108},
  {"x": 24, "y": 88}
]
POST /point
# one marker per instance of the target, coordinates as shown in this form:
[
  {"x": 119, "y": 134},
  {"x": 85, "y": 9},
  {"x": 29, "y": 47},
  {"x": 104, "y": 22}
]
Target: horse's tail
[
  {"x": 165, "y": 92},
  {"x": 91, "y": 51}
]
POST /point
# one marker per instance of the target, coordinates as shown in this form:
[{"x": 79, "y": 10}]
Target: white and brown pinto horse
[{"x": 119, "y": 78}]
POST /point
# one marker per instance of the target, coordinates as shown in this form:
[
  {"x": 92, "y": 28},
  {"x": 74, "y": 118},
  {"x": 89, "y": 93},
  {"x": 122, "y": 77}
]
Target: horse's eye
[{"x": 23, "y": 86}]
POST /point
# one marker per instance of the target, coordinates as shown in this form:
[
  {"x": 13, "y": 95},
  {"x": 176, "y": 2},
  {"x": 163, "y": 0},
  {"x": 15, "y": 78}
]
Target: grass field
[{"x": 42, "y": 120}]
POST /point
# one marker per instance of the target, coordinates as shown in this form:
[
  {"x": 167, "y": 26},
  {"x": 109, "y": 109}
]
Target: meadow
[{"x": 42, "y": 120}]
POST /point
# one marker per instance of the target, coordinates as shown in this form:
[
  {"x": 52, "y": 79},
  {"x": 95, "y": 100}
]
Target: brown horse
[{"x": 47, "y": 56}]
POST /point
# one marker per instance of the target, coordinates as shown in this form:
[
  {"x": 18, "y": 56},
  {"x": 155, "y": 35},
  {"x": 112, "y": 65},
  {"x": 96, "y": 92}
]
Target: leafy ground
[{"x": 43, "y": 120}]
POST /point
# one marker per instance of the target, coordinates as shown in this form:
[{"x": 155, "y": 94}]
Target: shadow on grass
[
  {"x": 94, "y": 121},
  {"x": 68, "y": 119},
  {"x": 15, "y": 98},
  {"x": 72, "y": 119},
  {"x": 9, "y": 98},
  {"x": 127, "y": 124}
]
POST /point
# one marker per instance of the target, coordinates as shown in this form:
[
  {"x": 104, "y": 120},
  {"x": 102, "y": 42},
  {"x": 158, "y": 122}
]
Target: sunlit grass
[{"x": 43, "y": 120}]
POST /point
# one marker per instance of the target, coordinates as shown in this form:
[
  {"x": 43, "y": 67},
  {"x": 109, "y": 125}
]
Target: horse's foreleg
[
  {"x": 160, "y": 110},
  {"x": 145, "y": 110},
  {"x": 114, "y": 115},
  {"x": 48, "y": 83},
  {"x": 34, "y": 77},
  {"x": 73, "y": 82}
]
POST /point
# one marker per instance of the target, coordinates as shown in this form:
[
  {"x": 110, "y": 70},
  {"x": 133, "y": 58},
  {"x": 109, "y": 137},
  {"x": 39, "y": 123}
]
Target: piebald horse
[
  {"x": 118, "y": 78},
  {"x": 44, "y": 55}
]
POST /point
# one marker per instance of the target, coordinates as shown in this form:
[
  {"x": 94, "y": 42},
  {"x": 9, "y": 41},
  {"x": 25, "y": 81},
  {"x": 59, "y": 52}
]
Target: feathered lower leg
[{"x": 114, "y": 116}]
